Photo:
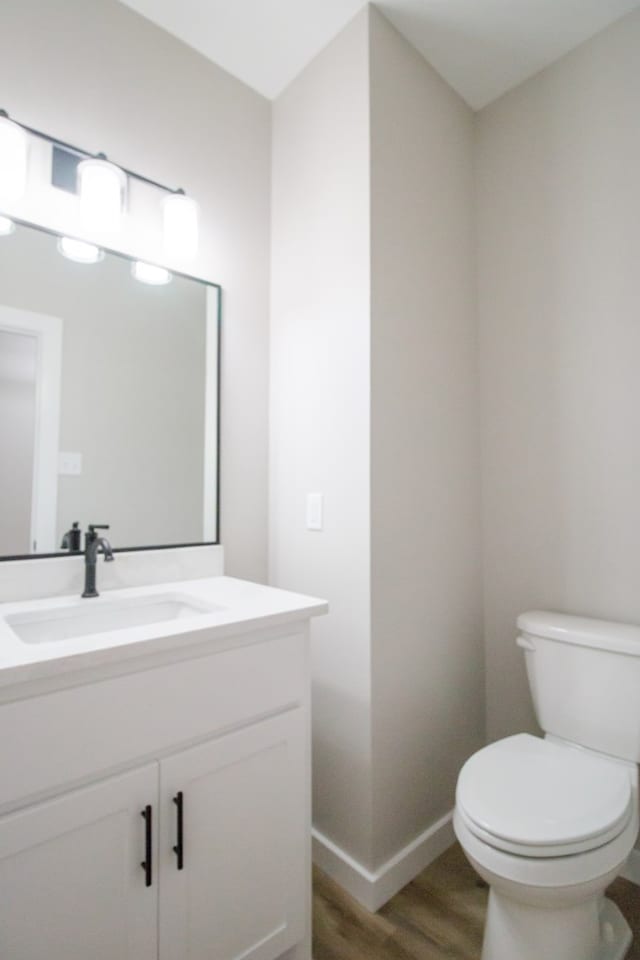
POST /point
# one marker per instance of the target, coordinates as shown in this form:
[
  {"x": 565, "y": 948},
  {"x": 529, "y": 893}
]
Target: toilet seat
[{"x": 537, "y": 798}]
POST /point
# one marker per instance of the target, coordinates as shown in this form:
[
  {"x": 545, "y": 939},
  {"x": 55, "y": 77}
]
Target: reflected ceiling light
[
  {"x": 7, "y": 226},
  {"x": 79, "y": 251},
  {"x": 147, "y": 273},
  {"x": 14, "y": 149},
  {"x": 180, "y": 220},
  {"x": 102, "y": 187}
]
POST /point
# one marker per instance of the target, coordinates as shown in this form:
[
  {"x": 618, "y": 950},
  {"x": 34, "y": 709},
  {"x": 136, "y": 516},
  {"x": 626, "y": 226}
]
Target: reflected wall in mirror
[{"x": 108, "y": 401}]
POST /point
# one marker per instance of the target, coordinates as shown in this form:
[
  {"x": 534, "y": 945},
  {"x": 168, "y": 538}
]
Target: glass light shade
[
  {"x": 102, "y": 187},
  {"x": 147, "y": 273},
  {"x": 7, "y": 226},
  {"x": 79, "y": 251},
  {"x": 180, "y": 216},
  {"x": 14, "y": 150}
]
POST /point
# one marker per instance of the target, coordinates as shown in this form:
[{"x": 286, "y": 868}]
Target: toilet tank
[{"x": 584, "y": 677}]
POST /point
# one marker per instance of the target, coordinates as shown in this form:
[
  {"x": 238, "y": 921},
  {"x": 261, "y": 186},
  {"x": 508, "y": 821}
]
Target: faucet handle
[{"x": 91, "y": 534}]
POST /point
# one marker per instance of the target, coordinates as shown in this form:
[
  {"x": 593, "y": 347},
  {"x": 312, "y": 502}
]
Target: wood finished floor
[{"x": 438, "y": 916}]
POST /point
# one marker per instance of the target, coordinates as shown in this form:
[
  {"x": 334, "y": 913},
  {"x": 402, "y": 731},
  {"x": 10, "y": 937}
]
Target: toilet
[{"x": 549, "y": 823}]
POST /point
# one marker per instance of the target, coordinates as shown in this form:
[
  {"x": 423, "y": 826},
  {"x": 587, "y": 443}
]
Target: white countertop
[{"x": 241, "y": 607}]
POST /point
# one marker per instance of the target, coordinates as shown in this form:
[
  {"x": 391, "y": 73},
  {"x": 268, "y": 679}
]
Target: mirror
[{"x": 109, "y": 394}]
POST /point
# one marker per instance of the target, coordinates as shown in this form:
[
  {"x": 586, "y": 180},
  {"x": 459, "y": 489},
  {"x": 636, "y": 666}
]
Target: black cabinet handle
[
  {"x": 147, "y": 863},
  {"x": 179, "y": 847}
]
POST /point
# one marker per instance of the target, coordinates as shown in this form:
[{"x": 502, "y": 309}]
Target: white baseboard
[
  {"x": 373, "y": 888},
  {"x": 632, "y": 868}
]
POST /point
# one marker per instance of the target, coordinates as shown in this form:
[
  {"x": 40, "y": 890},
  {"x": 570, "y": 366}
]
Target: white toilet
[{"x": 550, "y": 823}]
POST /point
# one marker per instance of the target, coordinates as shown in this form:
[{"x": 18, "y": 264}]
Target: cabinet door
[
  {"x": 242, "y": 889},
  {"x": 71, "y": 882}
]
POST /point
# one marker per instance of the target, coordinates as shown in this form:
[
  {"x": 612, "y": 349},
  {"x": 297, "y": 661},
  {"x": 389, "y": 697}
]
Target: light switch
[
  {"x": 314, "y": 511},
  {"x": 69, "y": 464}
]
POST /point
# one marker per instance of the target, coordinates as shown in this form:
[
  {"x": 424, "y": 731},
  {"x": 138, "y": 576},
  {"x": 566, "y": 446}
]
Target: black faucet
[{"x": 93, "y": 545}]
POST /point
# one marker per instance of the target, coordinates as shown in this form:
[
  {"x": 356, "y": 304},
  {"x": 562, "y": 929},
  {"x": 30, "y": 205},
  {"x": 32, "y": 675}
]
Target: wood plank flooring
[{"x": 438, "y": 916}]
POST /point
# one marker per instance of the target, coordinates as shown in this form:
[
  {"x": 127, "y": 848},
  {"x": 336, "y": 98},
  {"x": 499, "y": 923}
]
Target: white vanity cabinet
[
  {"x": 207, "y": 847},
  {"x": 159, "y": 808}
]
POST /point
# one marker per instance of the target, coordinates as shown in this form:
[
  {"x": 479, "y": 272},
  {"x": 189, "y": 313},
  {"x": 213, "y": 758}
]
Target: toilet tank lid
[{"x": 582, "y": 631}]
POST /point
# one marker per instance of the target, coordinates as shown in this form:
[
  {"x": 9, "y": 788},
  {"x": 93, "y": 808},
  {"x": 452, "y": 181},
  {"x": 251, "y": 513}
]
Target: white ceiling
[{"x": 481, "y": 47}]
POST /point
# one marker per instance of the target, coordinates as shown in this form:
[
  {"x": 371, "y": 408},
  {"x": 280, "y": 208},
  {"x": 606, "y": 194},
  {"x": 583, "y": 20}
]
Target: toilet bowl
[
  {"x": 548, "y": 826},
  {"x": 549, "y": 823}
]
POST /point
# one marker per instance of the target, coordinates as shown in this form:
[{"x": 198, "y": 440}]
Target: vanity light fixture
[
  {"x": 102, "y": 188},
  {"x": 14, "y": 152},
  {"x": 148, "y": 273},
  {"x": 7, "y": 226},
  {"x": 79, "y": 251},
  {"x": 180, "y": 221}
]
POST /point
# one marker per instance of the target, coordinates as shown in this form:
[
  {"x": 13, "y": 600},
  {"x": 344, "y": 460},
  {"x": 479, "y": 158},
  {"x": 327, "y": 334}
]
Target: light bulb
[
  {"x": 14, "y": 149},
  {"x": 147, "y": 273},
  {"x": 7, "y": 226},
  {"x": 102, "y": 187},
  {"x": 180, "y": 215},
  {"x": 79, "y": 251}
]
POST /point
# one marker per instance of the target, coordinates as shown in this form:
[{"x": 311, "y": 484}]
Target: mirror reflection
[{"x": 108, "y": 400}]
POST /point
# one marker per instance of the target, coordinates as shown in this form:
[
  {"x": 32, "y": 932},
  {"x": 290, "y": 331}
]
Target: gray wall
[
  {"x": 427, "y": 696},
  {"x": 559, "y": 291},
  {"x": 320, "y": 335},
  {"x": 374, "y": 403},
  {"x": 99, "y": 75},
  {"x": 132, "y": 392}
]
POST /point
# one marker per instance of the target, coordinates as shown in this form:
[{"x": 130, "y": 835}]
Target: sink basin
[{"x": 87, "y": 617}]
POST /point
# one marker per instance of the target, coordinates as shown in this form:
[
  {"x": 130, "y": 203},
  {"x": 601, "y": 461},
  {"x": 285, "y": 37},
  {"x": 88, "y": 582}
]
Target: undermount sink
[{"x": 87, "y": 617}]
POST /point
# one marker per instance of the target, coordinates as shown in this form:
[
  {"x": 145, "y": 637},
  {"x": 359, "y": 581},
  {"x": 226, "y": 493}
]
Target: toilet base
[
  {"x": 592, "y": 930},
  {"x": 617, "y": 935}
]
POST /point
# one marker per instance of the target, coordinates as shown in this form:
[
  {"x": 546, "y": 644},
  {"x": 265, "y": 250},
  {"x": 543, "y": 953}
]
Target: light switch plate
[
  {"x": 314, "y": 511},
  {"x": 69, "y": 464}
]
